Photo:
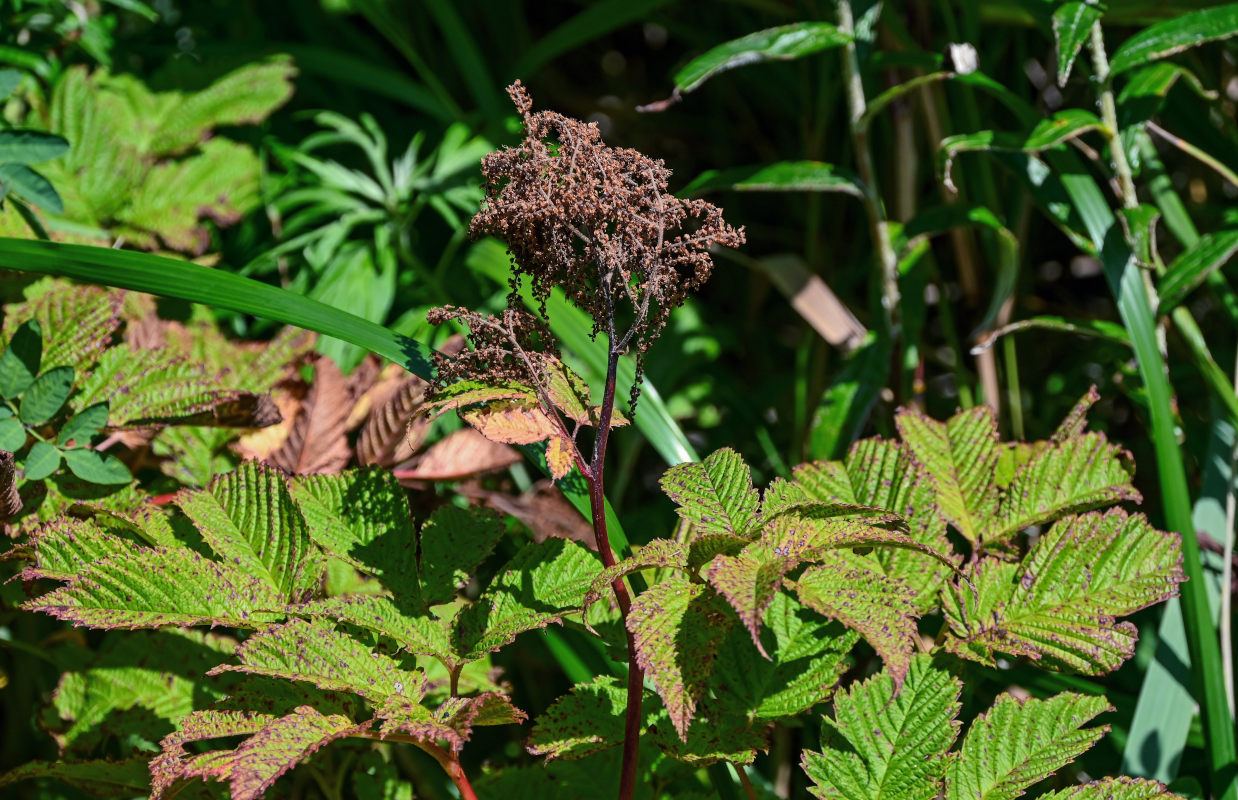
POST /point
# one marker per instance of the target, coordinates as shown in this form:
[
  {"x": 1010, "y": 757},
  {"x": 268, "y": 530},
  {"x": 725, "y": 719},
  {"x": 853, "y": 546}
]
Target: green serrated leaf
[
  {"x": 677, "y": 627},
  {"x": 46, "y": 396},
  {"x": 1060, "y": 603},
  {"x": 1072, "y": 25},
  {"x": 886, "y": 743},
  {"x": 1120, "y": 788},
  {"x": 409, "y": 626},
  {"x": 1174, "y": 35},
  {"x": 156, "y": 587},
  {"x": 20, "y": 363},
  {"x": 12, "y": 435},
  {"x": 95, "y": 467},
  {"x": 316, "y": 652},
  {"x": 715, "y": 495},
  {"x": 453, "y": 542},
  {"x": 1018, "y": 743},
  {"x": 83, "y": 426},
  {"x": 784, "y": 43},
  {"x": 807, "y": 655},
  {"x": 274, "y": 746},
  {"x": 43, "y": 460},
  {"x": 66, "y": 546},
  {"x": 586, "y": 720},
  {"x": 361, "y": 516},
  {"x": 76, "y": 322},
  {"x": 536, "y": 588},
  {"x": 847, "y": 588},
  {"x": 249, "y": 518},
  {"x": 960, "y": 457},
  {"x": 98, "y": 778}
]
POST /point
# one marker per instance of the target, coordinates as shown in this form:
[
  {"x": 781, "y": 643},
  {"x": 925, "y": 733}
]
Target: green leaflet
[
  {"x": 316, "y": 652},
  {"x": 46, "y": 396},
  {"x": 20, "y": 363},
  {"x": 781, "y": 176},
  {"x": 1192, "y": 267},
  {"x": 1059, "y": 604},
  {"x": 249, "y": 518},
  {"x": 273, "y": 746},
  {"x": 807, "y": 656},
  {"x": 783, "y": 43},
  {"x": 1017, "y": 743},
  {"x": 410, "y": 627},
  {"x": 845, "y": 587},
  {"x": 586, "y": 720},
  {"x": 536, "y": 588},
  {"x": 677, "y": 627},
  {"x": 715, "y": 495},
  {"x": 100, "y": 778},
  {"x": 75, "y": 324},
  {"x": 1121, "y": 788},
  {"x": 151, "y": 588},
  {"x": 960, "y": 455},
  {"x": 160, "y": 672},
  {"x": 1044, "y": 135},
  {"x": 889, "y": 744},
  {"x": 453, "y": 543},
  {"x": 21, "y": 146},
  {"x": 66, "y": 546}
]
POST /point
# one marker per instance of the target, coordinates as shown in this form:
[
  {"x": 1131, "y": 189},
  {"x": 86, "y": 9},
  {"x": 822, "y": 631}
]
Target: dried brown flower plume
[
  {"x": 598, "y": 222},
  {"x": 504, "y": 347}
]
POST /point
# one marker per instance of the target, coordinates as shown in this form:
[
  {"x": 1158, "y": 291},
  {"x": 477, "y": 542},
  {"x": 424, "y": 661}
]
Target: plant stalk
[
  {"x": 887, "y": 259},
  {"x": 597, "y": 504},
  {"x": 446, "y": 759}
]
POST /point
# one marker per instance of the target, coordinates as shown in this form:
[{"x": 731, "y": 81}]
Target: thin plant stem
[
  {"x": 597, "y": 504},
  {"x": 448, "y": 760},
  {"x": 1196, "y": 153},
  {"x": 1227, "y": 568},
  {"x": 887, "y": 259},
  {"x": 749, "y": 790}
]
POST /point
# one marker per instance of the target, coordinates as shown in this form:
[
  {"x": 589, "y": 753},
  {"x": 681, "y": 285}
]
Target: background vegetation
[{"x": 942, "y": 249}]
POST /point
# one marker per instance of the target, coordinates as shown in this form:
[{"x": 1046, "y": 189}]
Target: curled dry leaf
[
  {"x": 10, "y": 500},
  {"x": 259, "y": 444},
  {"x": 459, "y": 454},
  {"x": 390, "y": 434},
  {"x": 318, "y": 441}
]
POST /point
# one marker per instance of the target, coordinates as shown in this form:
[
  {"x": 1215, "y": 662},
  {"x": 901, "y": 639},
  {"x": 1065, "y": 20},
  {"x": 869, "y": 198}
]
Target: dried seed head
[{"x": 503, "y": 350}]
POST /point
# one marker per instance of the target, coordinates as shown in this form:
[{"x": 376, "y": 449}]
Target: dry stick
[{"x": 597, "y": 504}]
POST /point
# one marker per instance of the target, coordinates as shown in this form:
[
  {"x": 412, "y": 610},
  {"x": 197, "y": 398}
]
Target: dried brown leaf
[
  {"x": 459, "y": 454},
  {"x": 318, "y": 441},
  {"x": 10, "y": 500}
]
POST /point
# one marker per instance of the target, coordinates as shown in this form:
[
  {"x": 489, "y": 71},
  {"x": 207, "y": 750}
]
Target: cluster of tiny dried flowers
[
  {"x": 505, "y": 348},
  {"x": 598, "y": 222}
]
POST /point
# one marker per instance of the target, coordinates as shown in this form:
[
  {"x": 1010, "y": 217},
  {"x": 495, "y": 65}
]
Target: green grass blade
[
  {"x": 1158, "y": 730},
  {"x": 168, "y": 277}
]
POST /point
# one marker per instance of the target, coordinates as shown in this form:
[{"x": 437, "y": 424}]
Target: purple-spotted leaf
[
  {"x": 716, "y": 735},
  {"x": 959, "y": 456},
  {"x": 1121, "y": 788},
  {"x": 347, "y": 512},
  {"x": 273, "y": 746},
  {"x": 715, "y": 495},
  {"x": 885, "y": 475},
  {"x": 885, "y": 743},
  {"x": 677, "y": 627},
  {"x": 470, "y": 393},
  {"x": 408, "y": 626},
  {"x": 749, "y": 583},
  {"x": 76, "y": 323},
  {"x": 156, "y": 676},
  {"x": 453, "y": 542},
  {"x": 570, "y": 394},
  {"x": 586, "y": 720},
  {"x": 511, "y": 422},
  {"x": 155, "y": 587},
  {"x": 807, "y": 656},
  {"x": 249, "y": 519},
  {"x": 1060, "y": 604},
  {"x": 66, "y": 546},
  {"x": 1020, "y": 742},
  {"x": 316, "y": 652},
  {"x": 536, "y": 588},
  {"x": 660, "y": 553},
  {"x": 452, "y": 723},
  {"x": 1079, "y": 474},
  {"x": 852, "y": 590}
]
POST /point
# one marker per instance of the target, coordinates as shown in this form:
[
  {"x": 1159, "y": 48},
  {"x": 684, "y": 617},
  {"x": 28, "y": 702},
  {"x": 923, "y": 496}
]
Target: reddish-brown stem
[
  {"x": 597, "y": 504},
  {"x": 745, "y": 781},
  {"x": 448, "y": 760}
]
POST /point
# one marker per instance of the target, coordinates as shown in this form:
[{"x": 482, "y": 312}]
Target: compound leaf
[
  {"x": 887, "y": 744},
  {"x": 1018, "y": 743},
  {"x": 410, "y": 628},
  {"x": 1059, "y": 605}
]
